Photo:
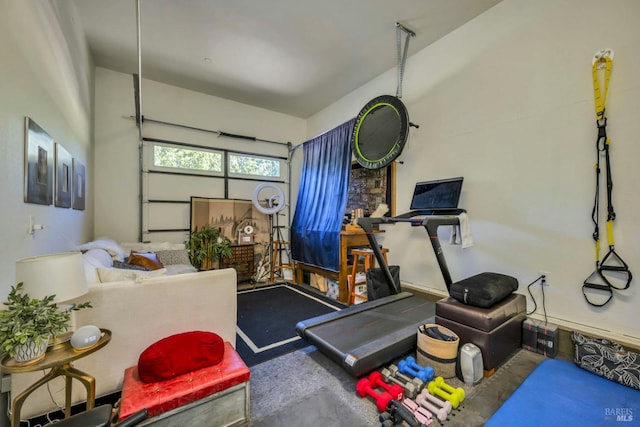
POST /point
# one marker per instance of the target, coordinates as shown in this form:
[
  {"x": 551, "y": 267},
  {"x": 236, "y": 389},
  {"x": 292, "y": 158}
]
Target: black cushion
[{"x": 484, "y": 289}]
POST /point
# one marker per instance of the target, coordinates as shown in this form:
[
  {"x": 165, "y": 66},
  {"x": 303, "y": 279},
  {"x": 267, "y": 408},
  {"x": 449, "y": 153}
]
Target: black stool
[{"x": 100, "y": 416}]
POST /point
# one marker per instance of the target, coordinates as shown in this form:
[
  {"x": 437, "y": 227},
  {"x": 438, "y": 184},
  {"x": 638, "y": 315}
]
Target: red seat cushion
[
  {"x": 178, "y": 354},
  {"x": 163, "y": 396}
]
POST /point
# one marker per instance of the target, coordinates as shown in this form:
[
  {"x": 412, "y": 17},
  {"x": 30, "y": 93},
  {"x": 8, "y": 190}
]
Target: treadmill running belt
[
  {"x": 353, "y": 331},
  {"x": 364, "y": 337}
]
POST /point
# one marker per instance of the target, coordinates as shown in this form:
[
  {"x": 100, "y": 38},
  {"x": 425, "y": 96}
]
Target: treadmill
[{"x": 363, "y": 337}]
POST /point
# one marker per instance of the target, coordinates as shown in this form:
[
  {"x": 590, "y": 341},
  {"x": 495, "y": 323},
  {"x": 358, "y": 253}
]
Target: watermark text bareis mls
[{"x": 619, "y": 414}]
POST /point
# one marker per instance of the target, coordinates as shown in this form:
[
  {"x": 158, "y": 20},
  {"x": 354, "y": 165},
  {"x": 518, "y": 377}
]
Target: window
[
  {"x": 191, "y": 159},
  {"x": 242, "y": 164},
  {"x": 200, "y": 160}
]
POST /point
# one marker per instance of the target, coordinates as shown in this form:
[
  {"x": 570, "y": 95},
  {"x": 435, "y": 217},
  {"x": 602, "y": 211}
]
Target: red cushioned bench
[{"x": 216, "y": 395}]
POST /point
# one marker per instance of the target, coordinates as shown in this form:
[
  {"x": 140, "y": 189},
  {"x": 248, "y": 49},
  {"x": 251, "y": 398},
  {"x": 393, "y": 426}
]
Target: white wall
[
  {"x": 46, "y": 75},
  {"x": 507, "y": 102},
  {"x": 116, "y": 140}
]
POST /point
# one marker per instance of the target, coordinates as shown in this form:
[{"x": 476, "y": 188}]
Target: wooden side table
[
  {"x": 242, "y": 259},
  {"x": 352, "y": 237},
  {"x": 59, "y": 361},
  {"x": 369, "y": 262}
]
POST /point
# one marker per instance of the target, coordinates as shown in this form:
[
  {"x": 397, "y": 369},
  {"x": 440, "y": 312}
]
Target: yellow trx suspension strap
[
  {"x": 612, "y": 268},
  {"x": 602, "y": 59}
]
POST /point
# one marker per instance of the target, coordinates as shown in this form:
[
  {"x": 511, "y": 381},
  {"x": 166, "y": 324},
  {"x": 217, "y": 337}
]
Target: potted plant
[
  {"x": 26, "y": 323},
  {"x": 206, "y": 246}
]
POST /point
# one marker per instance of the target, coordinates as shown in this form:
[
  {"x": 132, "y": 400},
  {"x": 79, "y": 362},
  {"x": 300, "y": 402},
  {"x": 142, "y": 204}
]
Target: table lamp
[{"x": 60, "y": 274}]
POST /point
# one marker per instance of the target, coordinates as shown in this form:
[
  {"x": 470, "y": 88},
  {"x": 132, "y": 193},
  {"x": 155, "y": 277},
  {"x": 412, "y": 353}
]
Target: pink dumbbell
[
  {"x": 421, "y": 414},
  {"x": 438, "y": 402},
  {"x": 440, "y": 413}
]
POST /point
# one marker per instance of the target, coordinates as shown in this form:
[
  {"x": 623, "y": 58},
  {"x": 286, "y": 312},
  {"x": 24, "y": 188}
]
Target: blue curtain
[{"x": 322, "y": 198}]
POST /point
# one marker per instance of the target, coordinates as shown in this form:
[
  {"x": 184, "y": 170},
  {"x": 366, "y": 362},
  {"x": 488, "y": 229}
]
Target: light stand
[
  {"x": 270, "y": 248},
  {"x": 272, "y": 206},
  {"x": 275, "y": 236},
  {"x": 279, "y": 239}
]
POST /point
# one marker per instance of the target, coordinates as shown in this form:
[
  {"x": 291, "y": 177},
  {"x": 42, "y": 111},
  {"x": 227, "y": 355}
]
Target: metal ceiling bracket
[{"x": 402, "y": 53}]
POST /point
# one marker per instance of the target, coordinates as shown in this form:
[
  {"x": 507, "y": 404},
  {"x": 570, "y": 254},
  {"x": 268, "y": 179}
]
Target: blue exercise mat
[{"x": 560, "y": 393}]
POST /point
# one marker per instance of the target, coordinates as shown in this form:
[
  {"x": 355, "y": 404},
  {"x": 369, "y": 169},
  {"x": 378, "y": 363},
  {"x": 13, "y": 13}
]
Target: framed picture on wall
[
  {"x": 79, "y": 186},
  {"x": 64, "y": 168},
  {"x": 231, "y": 216},
  {"x": 38, "y": 164}
]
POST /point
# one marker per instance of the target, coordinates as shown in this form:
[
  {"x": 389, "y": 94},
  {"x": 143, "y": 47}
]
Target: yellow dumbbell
[{"x": 439, "y": 388}]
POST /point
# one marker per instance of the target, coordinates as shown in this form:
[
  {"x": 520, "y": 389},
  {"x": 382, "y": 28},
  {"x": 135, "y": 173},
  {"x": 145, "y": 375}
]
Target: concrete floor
[{"x": 305, "y": 388}]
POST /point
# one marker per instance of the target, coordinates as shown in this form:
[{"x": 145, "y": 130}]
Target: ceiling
[{"x": 290, "y": 56}]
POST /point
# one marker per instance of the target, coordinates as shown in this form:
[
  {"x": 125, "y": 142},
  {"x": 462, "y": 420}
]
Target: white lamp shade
[{"x": 61, "y": 275}]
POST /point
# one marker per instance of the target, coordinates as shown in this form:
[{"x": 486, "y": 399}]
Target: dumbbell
[
  {"x": 407, "y": 369},
  {"x": 422, "y": 415},
  {"x": 412, "y": 386},
  {"x": 396, "y": 391},
  {"x": 364, "y": 388},
  {"x": 386, "y": 420},
  {"x": 459, "y": 391},
  {"x": 437, "y": 402},
  {"x": 400, "y": 413},
  {"x": 408, "y": 378},
  {"x": 441, "y": 389},
  {"x": 439, "y": 412},
  {"x": 411, "y": 367}
]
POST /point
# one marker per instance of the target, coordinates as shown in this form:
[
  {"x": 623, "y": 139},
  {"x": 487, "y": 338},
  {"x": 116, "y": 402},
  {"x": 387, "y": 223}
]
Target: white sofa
[{"x": 138, "y": 313}]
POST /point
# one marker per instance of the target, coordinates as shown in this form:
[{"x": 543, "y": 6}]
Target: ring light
[{"x": 272, "y": 207}]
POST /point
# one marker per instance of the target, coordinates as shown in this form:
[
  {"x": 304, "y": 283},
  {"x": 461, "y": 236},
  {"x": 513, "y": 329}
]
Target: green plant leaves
[
  {"x": 208, "y": 243},
  {"x": 26, "y": 318}
]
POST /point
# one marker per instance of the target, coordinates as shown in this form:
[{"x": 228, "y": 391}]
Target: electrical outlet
[{"x": 544, "y": 278}]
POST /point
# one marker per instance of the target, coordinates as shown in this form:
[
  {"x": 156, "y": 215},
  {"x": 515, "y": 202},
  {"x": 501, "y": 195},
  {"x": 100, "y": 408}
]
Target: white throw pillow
[
  {"x": 94, "y": 259},
  {"x": 180, "y": 269},
  {"x": 98, "y": 258},
  {"x": 119, "y": 274},
  {"x": 114, "y": 249},
  {"x": 151, "y": 247}
]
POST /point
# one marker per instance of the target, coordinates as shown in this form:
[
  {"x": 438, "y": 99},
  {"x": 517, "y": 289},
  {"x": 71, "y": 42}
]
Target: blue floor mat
[{"x": 560, "y": 393}]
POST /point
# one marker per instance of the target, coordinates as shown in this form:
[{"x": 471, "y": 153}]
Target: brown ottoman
[{"x": 496, "y": 330}]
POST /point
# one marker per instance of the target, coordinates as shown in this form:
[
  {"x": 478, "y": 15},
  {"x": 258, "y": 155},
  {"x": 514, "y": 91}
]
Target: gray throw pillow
[
  {"x": 127, "y": 266},
  {"x": 173, "y": 257}
]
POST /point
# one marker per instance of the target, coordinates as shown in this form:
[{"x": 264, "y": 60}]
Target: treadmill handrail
[
  {"x": 367, "y": 226},
  {"x": 430, "y": 212},
  {"x": 430, "y": 223}
]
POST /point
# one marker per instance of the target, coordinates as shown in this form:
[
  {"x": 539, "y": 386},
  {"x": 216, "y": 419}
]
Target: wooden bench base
[{"x": 229, "y": 407}]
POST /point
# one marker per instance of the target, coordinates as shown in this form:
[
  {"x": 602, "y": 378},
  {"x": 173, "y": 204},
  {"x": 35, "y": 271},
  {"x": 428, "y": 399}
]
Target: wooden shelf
[{"x": 242, "y": 260}]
